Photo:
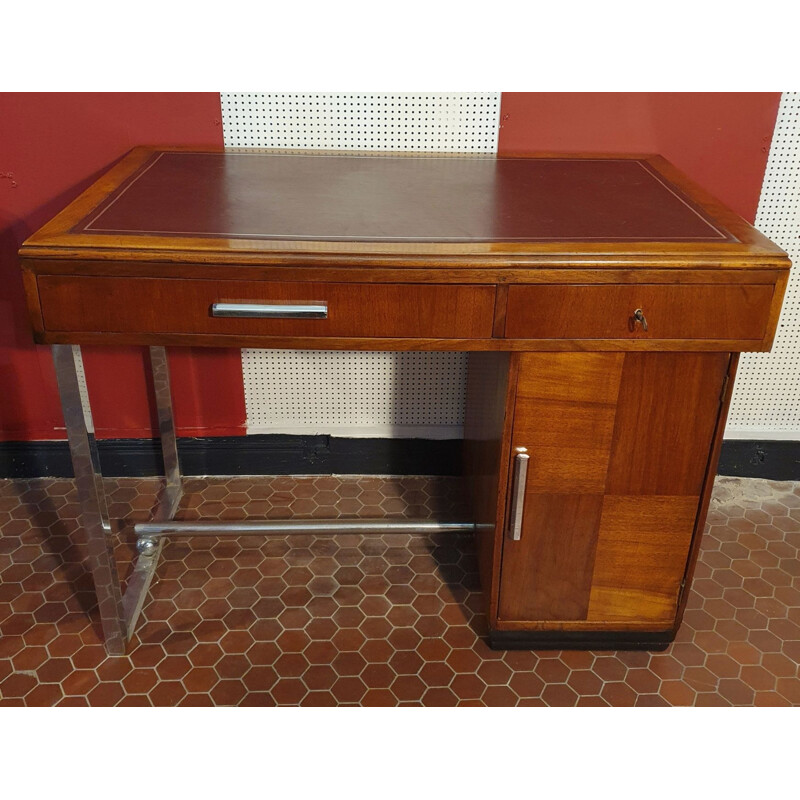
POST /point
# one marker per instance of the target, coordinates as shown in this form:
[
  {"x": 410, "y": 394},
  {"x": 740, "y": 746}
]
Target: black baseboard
[
  {"x": 270, "y": 454},
  {"x": 276, "y": 454},
  {"x": 774, "y": 460},
  {"x": 580, "y": 640}
]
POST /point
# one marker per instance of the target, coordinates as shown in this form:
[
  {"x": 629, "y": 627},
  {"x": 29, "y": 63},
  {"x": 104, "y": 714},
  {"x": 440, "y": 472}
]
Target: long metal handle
[
  {"x": 310, "y": 310},
  {"x": 518, "y": 493}
]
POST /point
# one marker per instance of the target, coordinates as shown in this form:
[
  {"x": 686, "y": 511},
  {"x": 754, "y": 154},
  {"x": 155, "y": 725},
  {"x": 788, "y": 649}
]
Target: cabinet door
[{"x": 618, "y": 447}]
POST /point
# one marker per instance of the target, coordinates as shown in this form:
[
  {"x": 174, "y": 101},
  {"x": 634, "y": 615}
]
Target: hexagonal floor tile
[{"x": 377, "y": 620}]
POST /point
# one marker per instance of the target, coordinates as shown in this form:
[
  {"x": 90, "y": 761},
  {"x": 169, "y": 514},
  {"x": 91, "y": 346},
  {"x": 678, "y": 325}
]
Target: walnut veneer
[{"x": 603, "y": 299}]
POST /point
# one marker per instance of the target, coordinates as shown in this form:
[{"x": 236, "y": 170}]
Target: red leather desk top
[{"x": 395, "y": 198}]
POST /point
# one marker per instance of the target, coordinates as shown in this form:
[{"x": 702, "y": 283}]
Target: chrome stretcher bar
[
  {"x": 284, "y": 526},
  {"x": 119, "y": 612}
]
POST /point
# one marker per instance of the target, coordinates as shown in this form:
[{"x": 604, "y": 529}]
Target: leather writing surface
[{"x": 396, "y": 198}]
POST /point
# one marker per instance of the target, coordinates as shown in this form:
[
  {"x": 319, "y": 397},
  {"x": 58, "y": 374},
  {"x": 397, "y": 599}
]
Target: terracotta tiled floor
[{"x": 383, "y": 620}]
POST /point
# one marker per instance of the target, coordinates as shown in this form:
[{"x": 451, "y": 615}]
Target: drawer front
[
  {"x": 171, "y": 305},
  {"x": 696, "y": 311}
]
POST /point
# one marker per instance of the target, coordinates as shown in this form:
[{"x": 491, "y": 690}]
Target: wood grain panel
[
  {"x": 606, "y": 312},
  {"x": 564, "y": 415},
  {"x": 487, "y": 432},
  {"x": 396, "y": 343},
  {"x": 547, "y": 574},
  {"x": 642, "y": 549},
  {"x": 33, "y": 303},
  {"x": 668, "y": 407},
  {"x": 619, "y": 450},
  {"x": 142, "y": 305},
  {"x": 263, "y": 267},
  {"x": 708, "y": 483}
]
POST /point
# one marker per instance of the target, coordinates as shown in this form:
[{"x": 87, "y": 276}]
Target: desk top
[
  {"x": 392, "y": 205},
  {"x": 400, "y": 252},
  {"x": 395, "y": 198}
]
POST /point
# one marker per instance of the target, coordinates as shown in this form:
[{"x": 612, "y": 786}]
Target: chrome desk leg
[
  {"x": 149, "y": 549},
  {"x": 166, "y": 422},
  {"x": 91, "y": 495}
]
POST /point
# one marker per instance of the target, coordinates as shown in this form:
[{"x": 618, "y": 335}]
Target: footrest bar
[{"x": 154, "y": 530}]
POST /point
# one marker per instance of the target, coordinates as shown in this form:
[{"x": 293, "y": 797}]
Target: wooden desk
[{"x": 604, "y": 301}]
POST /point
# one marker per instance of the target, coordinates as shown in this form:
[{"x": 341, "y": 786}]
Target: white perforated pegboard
[
  {"x": 766, "y": 398},
  {"x": 350, "y": 393},
  {"x": 458, "y": 122},
  {"x": 359, "y": 393}
]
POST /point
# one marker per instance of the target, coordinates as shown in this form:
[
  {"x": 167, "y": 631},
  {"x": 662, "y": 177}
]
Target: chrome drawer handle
[
  {"x": 639, "y": 317},
  {"x": 310, "y": 310},
  {"x": 521, "y": 460}
]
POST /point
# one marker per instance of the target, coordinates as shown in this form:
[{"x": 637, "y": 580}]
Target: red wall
[
  {"x": 55, "y": 145},
  {"x": 720, "y": 139}
]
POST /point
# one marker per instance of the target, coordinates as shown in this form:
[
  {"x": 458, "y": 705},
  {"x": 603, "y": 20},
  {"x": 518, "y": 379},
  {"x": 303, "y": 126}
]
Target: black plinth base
[{"x": 580, "y": 640}]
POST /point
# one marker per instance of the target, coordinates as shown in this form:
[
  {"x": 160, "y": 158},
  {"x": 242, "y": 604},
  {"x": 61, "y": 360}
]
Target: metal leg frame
[
  {"x": 149, "y": 550},
  {"x": 91, "y": 495},
  {"x": 119, "y": 613}
]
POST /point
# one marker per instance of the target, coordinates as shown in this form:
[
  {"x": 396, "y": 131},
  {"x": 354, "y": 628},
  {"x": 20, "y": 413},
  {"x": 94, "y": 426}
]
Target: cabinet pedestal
[{"x": 594, "y": 542}]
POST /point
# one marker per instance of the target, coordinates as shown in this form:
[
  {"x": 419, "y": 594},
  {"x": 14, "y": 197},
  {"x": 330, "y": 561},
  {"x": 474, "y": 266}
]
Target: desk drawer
[
  {"x": 171, "y": 305},
  {"x": 686, "y": 311}
]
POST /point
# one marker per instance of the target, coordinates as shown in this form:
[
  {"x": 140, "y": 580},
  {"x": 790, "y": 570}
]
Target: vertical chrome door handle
[{"x": 518, "y": 492}]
